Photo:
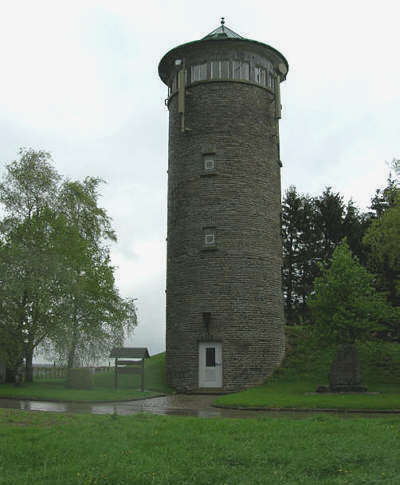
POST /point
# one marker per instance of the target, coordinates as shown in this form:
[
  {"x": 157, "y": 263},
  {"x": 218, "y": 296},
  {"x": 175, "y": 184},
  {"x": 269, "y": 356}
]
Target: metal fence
[{"x": 53, "y": 372}]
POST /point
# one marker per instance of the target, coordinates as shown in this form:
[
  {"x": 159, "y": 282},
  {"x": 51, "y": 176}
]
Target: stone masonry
[{"x": 238, "y": 280}]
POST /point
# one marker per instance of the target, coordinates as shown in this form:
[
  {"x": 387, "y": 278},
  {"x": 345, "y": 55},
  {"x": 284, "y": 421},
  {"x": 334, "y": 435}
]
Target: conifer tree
[{"x": 345, "y": 305}]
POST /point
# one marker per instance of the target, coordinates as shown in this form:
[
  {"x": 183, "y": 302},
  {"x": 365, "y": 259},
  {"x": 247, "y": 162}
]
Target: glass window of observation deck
[
  {"x": 241, "y": 70},
  {"x": 199, "y": 72}
]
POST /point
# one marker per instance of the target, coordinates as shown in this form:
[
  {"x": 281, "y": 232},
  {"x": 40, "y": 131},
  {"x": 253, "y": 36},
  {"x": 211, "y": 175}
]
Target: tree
[
  {"x": 56, "y": 281},
  {"x": 88, "y": 269},
  {"x": 355, "y": 224},
  {"x": 345, "y": 306},
  {"x": 290, "y": 229},
  {"x": 300, "y": 253},
  {"x": 96, "y": 316},
  {"x": 312, "y": 227},
  {"x": 309, "y": 254},
  {"x": 330, "y": 215},
  {"x": 346, "y": 309},
  {"x": 11, "y": 344},
  {"x": 383, "y": 240},
  {"x": 386, "y": 198},
  {"x": 27, "y": 259}
]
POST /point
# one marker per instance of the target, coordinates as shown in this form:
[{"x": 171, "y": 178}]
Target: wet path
[{"x": 177, "y": 405}]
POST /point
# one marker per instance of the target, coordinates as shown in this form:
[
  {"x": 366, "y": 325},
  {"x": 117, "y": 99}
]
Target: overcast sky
[{"x": 79, "y": 79}]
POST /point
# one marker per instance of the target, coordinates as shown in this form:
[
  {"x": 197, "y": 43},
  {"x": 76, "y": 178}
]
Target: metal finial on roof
[{"x": 222, "y": 23}]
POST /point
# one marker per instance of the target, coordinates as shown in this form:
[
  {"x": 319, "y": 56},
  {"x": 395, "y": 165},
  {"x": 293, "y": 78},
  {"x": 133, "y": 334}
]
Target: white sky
[{"x": 79, "y": 79}]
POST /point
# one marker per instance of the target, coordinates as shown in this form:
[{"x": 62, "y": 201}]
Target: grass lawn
[
  {"x": 55, "y": 390},
  {"x": 306, "y": 367},
  {"x": 295, "y": 394},
  {"x": 128, "y": 386},
  {"x": 45, "y": 448}
]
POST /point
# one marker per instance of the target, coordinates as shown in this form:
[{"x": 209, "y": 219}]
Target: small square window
[
  {"x": 209, "y": 237},
  {"x": 209, "y": 163}
]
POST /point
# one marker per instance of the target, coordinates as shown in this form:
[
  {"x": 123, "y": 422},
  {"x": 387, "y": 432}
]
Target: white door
[{"x": 210, "y": 364}]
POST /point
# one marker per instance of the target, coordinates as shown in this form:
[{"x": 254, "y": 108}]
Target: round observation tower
[{"x": 224, "y": 298}]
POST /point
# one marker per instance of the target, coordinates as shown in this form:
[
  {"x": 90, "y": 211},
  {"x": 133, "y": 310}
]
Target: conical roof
[{"x": 222, "y": 32}]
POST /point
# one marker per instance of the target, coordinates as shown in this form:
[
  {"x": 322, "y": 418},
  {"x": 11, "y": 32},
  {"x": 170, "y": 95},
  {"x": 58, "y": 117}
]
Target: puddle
[{"x": 173, "y": 405}]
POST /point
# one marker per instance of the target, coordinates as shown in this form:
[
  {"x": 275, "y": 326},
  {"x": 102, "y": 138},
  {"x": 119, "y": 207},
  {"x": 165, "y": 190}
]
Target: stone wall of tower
[{"x": 239, "y": 281}]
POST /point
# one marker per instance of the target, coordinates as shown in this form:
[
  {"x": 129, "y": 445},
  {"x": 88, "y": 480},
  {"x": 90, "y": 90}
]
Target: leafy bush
[
  {"x": 304, "y": 355},
  {"x": 80, "y": 379},
  {"x": 380, "y": 361},
  {"x": 307, "y": 357}
]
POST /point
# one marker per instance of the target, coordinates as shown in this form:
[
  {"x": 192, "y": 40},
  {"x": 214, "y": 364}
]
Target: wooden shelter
[{"x": 135, "y": 364}]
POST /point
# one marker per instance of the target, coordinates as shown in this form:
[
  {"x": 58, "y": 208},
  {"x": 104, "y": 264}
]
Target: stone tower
[{"x": 224, "y": 300}]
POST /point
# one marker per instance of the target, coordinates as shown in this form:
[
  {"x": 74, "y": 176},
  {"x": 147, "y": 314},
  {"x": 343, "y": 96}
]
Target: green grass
[
  {"x": 287, "y": 393},
  {"x": 128, "y": 386},
  {"x": 44, "y": 448},
  {"x": 307, "y": 366},
  {"x": 55, "y": 390}
]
